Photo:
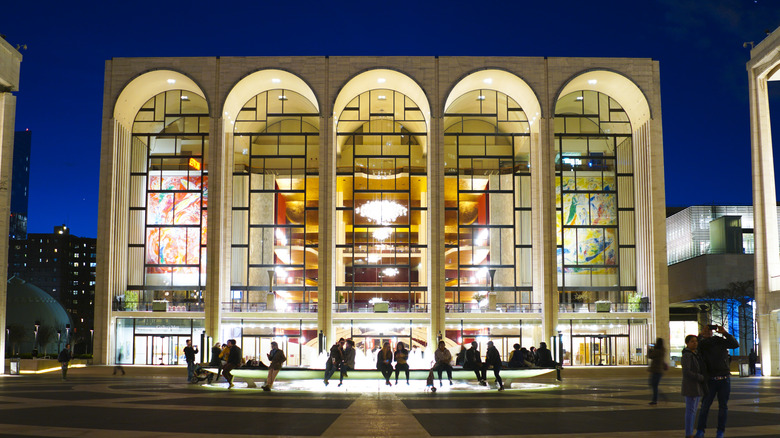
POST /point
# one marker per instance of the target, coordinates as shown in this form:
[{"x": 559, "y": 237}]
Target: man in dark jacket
[
  {"x": 493, "y": 360},
  {"x": 233, "y": 361},
  {"x": 544, "y": 356},
  {"x": 474, "y": 362},
  {"x": 189, "y": 354},
  {"x": 64, "y": 358},
  {"x": 715, "y": 355}
]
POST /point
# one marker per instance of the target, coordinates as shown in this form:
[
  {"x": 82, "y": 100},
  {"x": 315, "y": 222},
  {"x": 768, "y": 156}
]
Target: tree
[
  {"x": 724, "y": 302},
  {"x": 16, "y": 335},
  {"x": 46, "y": 334}
]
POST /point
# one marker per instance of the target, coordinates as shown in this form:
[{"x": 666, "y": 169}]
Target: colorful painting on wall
[{"x": 179, "y": 245}]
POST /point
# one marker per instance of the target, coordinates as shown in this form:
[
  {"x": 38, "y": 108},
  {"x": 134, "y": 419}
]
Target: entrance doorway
[
  {"x": 601, "y": 349},
  {"x": 160, "y": 349}
]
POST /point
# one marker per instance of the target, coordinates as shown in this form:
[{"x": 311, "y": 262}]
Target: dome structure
[{"x": 28, "y": 305}]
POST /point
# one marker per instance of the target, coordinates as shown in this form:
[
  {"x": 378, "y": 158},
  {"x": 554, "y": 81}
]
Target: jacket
[
  {"x": 349, "y": 357},
  {"x": 234, "y": 357},
  {"x": 693, "y": 374},
  {"x": 277, "y": 358},
  {"x": 64, "y": 356},
  {"x": 442, "y": 356},
  {"x": 715, "y": 355},
  {"x": 473, "y": 359},
  {"x": 493, "y": 357},
  {"x": 544, "y": 358},
  {"x": 657, "y": 362}
]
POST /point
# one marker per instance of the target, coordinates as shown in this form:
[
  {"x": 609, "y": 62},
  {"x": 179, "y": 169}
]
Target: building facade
[
  {"x": 10, "y": 65},
  {"x": 20, "y": 185},
  {"x": 411, "y": 199}
]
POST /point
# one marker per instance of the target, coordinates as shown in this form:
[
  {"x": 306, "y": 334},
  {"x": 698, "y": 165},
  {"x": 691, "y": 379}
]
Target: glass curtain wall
[
  {"x": 381, "y": 205},
  {"x": 275, "y": 204},
  {"x": 595, "y": 205},
  {"x": 487, "y": 204},
  {"x": 168, "y": 204}
]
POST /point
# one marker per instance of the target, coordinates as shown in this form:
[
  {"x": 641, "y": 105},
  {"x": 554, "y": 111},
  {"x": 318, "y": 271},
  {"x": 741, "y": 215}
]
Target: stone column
[
  {"x": 545, "y": 275},
  {"x": 764, "y": 59},
  {"x": 435, "y": 230},
  {"x": 327, "y": 226},
  {"x": 7, "y": 117}
]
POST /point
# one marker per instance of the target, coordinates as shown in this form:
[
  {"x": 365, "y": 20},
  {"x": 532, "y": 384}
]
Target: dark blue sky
[{"x": 698, "y": 43}]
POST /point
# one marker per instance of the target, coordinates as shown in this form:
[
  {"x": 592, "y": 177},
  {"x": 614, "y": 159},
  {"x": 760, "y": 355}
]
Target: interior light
[
  {"x": 276, "y": 80},
  {"x": 488, "y": 80},
  {"x": 480, "y": 97},
  {"x": 592, "y": 81},
  {"x": 171, "y": 81},
  {"x": 282, "y": 97},
  {"x": 381, "y": 80},
  {"x": 185, "y": 98},
  {"x": 382, "y": 97},
  {"x": 579, "y": 98}
]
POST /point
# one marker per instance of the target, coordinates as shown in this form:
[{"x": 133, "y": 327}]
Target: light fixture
[
  {"x": 381, "y": 212},
  {"x": 480, "y": 97},
  {"x": 381, "y": 80},
  {"x": 282, "y": 97},
  {"x": 381, "y": 234},
  {"x": 390, "y": 272},
  {"x": 488, "y": 80},
  {"x": 276, "y": 80},
  {"x": 382, "y": 97},
  {"x": 579, "y": 98},
  {"x": 185, "y": 98},
  {"x": 373, "y": 258},
  {"x": 592, "y": 81},
  {"x": 171, "y": 81}
]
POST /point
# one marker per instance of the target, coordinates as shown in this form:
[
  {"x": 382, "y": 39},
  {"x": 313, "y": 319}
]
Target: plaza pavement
[{"x": 157, "y": 402}]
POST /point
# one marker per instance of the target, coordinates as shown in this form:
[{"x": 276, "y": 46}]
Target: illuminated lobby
[{"x": 402, "y": 199}]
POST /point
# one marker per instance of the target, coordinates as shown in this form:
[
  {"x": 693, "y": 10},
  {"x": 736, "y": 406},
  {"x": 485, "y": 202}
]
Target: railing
[
  {"x": 263, "y": 307},
  {"x": 364, "y": 307},
  {"x": 158, "y": 306},
  {"x": 500, "y": 308},
  {"x": 605, "y": 307}
]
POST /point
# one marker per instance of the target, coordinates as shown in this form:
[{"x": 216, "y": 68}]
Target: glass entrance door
[
  {"x": 600, "y": 349},
  {"x": 160, "y": 349}
]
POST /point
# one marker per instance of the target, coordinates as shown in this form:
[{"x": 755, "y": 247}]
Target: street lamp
[
  {"x": 35, "y": 340},
  {"x": 59, "y": 335},
  {"x": 67, "y": 333},
  {"x": 91, "y": 340}
]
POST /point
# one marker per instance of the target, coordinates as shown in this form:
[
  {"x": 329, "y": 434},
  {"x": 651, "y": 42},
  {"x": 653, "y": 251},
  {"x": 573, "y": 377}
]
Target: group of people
[
  {"x": 227, "y": 357},
  {"x": 342, "y": 359},
  {"x": 471, "y": 359},
  {"x": 520, "y": 357},
  {"x": 706, "y": 375}
]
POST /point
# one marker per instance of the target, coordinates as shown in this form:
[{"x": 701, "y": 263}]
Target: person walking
[
  {"x": 189, "y": 355},
  {"x": 334, "y": 360},
  {"x": 276, "y": 358},
  {"x": 657, "y": 367},
  {"x": 233, "y": 361},
  {"x": 693, "y": 381},
  {"x": 752, "y": 359},
  {"x": 64, "y": 358},
  {"x": 118, "y": 364},
  {"x": 400, "y": 357},
  {"x": 384, "y": 362},
  {"x": 715, "y": 356},
  {"x": 492, "y": 361},
  {"x": 442, "y": 358},
  {"x": 474, "y": 362},
  {"x": 348, "y": 363}
]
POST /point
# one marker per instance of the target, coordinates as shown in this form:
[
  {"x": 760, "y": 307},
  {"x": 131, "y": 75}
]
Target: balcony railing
[
  {"x": 392, "y": 307},
  {"x": 500, "y": 308},
  {"x": 157, "y": 306},
  {"x": 604, "y": 306},
  {"x": 263, "y": 307}
]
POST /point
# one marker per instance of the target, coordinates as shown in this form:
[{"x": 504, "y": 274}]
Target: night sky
[{"x": 704, "y": 87}]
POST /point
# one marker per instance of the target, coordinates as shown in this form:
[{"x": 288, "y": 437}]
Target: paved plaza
[{"x": 94, "y": 403}]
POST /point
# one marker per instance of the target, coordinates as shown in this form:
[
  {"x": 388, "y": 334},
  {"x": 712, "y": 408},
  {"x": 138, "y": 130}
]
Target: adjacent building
[
  {"x": 414, "y": 199},
  {"x": 20, "y": 185},
  {"x": 10, "y": 65}
]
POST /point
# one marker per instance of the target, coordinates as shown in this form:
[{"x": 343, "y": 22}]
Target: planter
[
  {"x": 603, "y": 306},
  {"x": 159, "y": 306},
  {"x": 381, "y": 307}
]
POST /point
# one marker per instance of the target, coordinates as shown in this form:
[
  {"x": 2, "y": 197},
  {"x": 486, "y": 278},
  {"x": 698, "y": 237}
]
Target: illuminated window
[
  {"x": 594, "y": 200},
  {"x": 275, "y": 202},
  {"x": 168, "y": 196},
  {"x": 487, "y": 194},
  {"x": 382, "y": 198}
]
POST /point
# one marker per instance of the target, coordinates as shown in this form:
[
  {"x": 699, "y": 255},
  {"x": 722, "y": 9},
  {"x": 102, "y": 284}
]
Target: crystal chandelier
[
  {"x": 381, "y": 234},
  {"x": 381, "y": 212}
]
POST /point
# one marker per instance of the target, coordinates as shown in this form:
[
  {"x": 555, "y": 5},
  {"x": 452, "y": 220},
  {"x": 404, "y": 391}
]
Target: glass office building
[{"x": 414, "y": 199}]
